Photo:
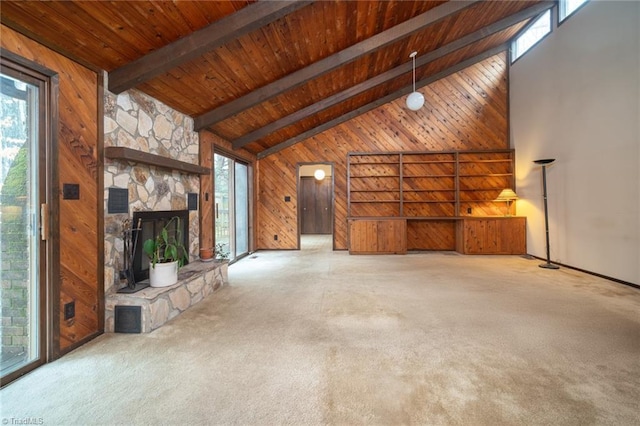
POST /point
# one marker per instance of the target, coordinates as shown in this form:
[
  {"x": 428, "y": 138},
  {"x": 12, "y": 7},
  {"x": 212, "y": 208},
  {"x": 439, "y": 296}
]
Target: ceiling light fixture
[{"x": 415, "y": 100}]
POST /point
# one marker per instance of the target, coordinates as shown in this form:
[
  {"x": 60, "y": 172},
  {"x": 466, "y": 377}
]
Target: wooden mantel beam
[
  {"x": 330, "y": 101},
  {"x": 330, "y": 63},
  {"x": 196, "y": 44}
]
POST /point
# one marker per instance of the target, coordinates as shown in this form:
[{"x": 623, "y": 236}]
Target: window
[
  {"x": 567, "y": 7},
  {"x": 533, "y": 34}
]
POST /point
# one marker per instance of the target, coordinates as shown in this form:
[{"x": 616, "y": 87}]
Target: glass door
[
  {"x": 231, "y": 209},
  {"x": 22, "y": 255},
  {"x": 241, "y": 214}
]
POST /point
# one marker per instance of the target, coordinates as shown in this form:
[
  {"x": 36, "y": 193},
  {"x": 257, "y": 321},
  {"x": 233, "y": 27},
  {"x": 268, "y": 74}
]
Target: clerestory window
[
  {"x": 567, "y": 7},
  {"x": 532, "y": 35}
]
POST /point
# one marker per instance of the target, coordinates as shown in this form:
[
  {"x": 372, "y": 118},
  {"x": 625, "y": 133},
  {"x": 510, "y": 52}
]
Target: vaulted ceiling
[{"x": 267, "y": 74}]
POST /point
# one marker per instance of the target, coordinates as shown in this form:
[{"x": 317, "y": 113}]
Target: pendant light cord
[{"x": 414, "y": 72}]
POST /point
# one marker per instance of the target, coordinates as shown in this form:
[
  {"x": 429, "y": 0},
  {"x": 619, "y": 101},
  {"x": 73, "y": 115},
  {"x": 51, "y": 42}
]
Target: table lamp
[{"x": 507, "y": 195}]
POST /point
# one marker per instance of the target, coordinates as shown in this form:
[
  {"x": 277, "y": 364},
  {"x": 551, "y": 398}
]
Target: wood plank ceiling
[{"x": 265, "y": 75}]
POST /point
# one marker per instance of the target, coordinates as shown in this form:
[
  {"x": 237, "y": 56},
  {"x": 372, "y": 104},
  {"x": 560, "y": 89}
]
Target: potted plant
[
  {"x": 220, "y": 253},
  {"x": 166, "y": 253}
]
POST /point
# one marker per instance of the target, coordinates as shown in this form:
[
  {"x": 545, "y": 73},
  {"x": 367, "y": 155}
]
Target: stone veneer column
[{"x": 135, "y": 120}]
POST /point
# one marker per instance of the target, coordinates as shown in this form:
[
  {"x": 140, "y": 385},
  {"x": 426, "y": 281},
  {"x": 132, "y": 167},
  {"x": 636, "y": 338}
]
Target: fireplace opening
[{"x": 148, "y": 225}]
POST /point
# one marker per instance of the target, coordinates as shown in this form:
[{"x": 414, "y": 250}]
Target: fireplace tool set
[{"x": 130, "y": 238}]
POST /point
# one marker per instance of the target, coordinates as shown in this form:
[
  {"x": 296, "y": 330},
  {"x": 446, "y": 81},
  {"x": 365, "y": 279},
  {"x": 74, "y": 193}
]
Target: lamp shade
[
  {"x": 415, "y": 101},
  {"x": 507, "y": 195},
  {"x": 319, "y": 174}
]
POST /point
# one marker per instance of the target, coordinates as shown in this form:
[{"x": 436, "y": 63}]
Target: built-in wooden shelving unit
[
  {"x": 428, "y": 184},
  {"x": 399, "y": 201}
]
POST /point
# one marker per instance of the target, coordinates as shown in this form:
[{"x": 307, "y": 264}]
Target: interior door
[
  {"x": 23, "y": 260},
  {"x": 315, "y": 200}
]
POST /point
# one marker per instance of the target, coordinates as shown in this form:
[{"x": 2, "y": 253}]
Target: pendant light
[{"x": 415, "y": 100}]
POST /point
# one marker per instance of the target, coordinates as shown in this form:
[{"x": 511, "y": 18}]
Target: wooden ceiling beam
[
  {"x": 389, "y": 98},
  {"x": 199, "y": 42},
  {"x": 330, "y": 101},
  {"x": 318, "y": 69}
]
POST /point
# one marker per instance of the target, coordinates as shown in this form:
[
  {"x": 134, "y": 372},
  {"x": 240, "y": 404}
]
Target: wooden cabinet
[
  {"x": 491, "y": 235},
  {"x": 377, "y": 236}
]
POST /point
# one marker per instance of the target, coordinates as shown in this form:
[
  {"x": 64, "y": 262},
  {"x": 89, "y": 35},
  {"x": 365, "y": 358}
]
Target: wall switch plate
[
  {"x": 287, "y": 198},
  {"x": 275, "y": 238},
  {"x": 69, "y": 310},
  {"x": 70, "y": 191},
  {"x": 469, "y": 210}
]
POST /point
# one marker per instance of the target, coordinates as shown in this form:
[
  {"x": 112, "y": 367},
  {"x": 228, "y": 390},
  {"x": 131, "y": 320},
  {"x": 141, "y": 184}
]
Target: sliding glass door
[
  {"x": 231, "y": 209},
  {"x": 22, "y": 250}
]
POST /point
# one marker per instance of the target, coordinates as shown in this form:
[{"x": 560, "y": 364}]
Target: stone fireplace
[
  {"x": 138, "y": 122},
  {"x": 151, "y": 168}
]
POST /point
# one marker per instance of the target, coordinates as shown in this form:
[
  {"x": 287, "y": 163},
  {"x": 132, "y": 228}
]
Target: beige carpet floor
[{"x": 319, "y": 337}]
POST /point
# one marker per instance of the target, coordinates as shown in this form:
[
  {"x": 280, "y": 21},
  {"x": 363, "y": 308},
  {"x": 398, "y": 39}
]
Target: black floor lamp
[{"x": 544, "y": 163}]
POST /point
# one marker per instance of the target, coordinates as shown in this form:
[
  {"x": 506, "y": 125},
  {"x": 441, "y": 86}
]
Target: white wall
[{"x": 575, "y": 97}]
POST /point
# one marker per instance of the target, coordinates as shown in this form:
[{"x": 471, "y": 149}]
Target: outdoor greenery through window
[
  {"x": 536, "y": 32},
  {"x": 567, "y": 7}
]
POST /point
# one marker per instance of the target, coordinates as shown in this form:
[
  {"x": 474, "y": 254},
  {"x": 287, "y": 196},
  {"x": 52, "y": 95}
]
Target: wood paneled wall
[
  {"x": 79, "y": 161},
  {"x": 465, "y": 111}
]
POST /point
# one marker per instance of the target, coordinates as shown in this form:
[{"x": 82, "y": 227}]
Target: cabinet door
[
  {"x": 377, "y": 236},
  {"x": 480, "y": 236},
  {"x": 512, "y": 236},
  {"x": 492, "y": 236},
  {"x": 392, "y": 236},
  {"x": 363, "y": 236}
]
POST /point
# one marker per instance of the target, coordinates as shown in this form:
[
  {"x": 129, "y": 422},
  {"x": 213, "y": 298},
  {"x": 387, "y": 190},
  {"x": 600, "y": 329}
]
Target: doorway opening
[{"x": 315, "y": 203}]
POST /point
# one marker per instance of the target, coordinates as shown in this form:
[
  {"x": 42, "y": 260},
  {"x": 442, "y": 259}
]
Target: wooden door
[{"x": 315, "y": 202}]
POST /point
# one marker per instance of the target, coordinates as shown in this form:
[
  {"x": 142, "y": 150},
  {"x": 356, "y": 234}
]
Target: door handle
[
  {"x": 216, "y": 210},
  {"x": 44, "y": 221}
]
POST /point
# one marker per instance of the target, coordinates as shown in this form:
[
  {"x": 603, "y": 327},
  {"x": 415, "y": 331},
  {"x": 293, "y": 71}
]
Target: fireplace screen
[{"x": 149, "y": 225}]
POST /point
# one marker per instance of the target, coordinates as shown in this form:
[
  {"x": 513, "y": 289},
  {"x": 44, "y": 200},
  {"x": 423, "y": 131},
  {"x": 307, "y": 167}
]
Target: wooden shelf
[
  {"x": 375, "y": 190},
  {"x": 487, "y": 175},
  {"x": 128, "y": 154},
  {"x": 430, "y": 162},
  {"x": 376, "y": 201},
  {"x": 375, "y": 176},
  {"x": 426, "y": 190},
  {"x": 369, "y": 163},
  {"x": 486, "y": 161},
  {"x": 428, "y": 176},
  {"x": 419, "y": 173},
  {"x": 430, "y": 201}
]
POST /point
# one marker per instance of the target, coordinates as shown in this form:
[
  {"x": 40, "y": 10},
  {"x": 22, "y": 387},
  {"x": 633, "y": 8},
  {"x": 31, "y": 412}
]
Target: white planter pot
[{"x": 164, "y": 274}]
